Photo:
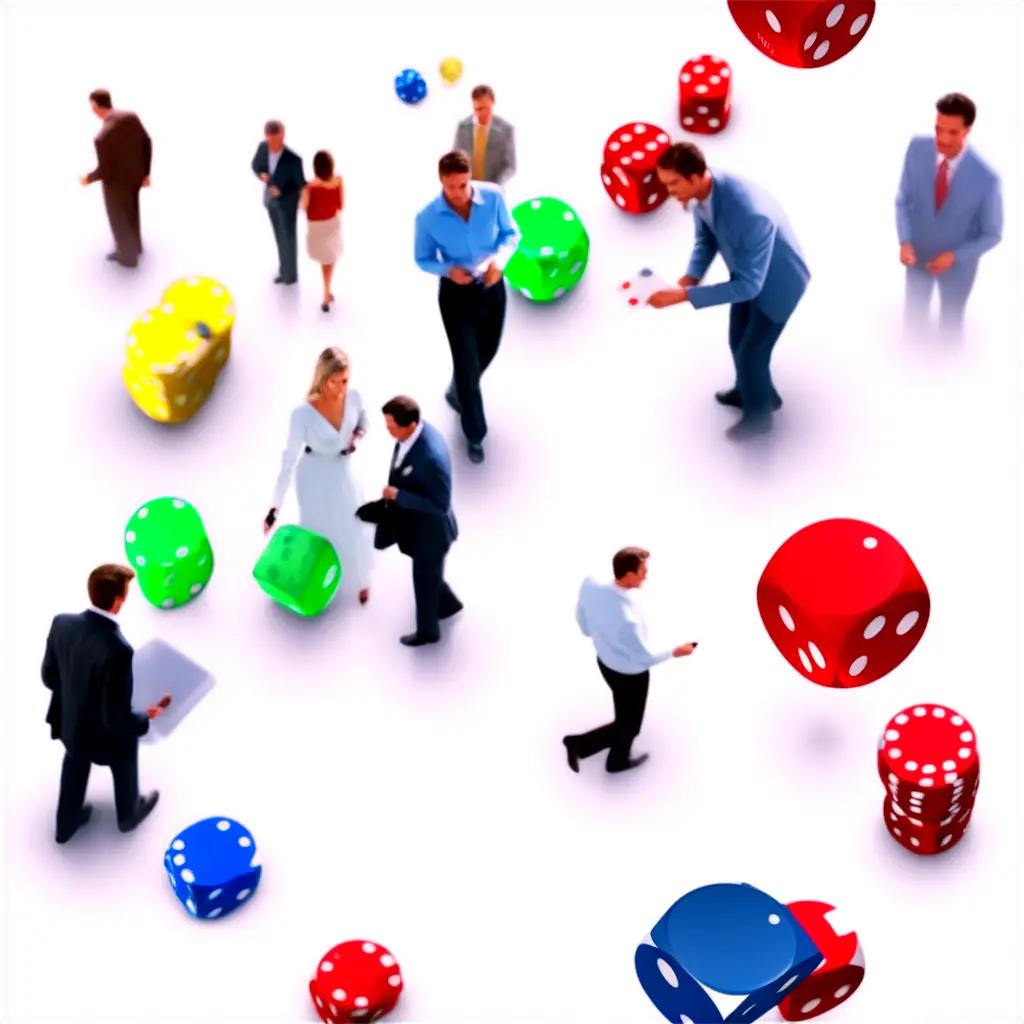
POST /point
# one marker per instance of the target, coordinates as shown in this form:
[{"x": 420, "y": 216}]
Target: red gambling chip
[{"x": 927, "y": 746}]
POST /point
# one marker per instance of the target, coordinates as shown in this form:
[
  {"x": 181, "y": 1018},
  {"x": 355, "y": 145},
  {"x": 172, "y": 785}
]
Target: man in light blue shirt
[
  {"x": 466, "y": 236},
  {"x": 606, "y": 613}
]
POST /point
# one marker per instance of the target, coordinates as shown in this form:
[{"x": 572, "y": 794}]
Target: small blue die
[
  {"x": 410, "y": 86},
  {"x": 213, "y": 867}
]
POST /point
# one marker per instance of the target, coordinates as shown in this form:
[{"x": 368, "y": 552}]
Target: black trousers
[
  {"x": 74, "y": 779},
  {"x": 433, "y": 595},
  {"x": 473, "y": 316},
  {"x": 629, "y": 694},
  {"x": 284, "y": 222},
  {"x": 122, "y": 203}
]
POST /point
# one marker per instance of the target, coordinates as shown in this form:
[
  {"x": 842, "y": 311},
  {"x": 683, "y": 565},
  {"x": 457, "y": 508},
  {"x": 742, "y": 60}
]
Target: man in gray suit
[{"x": 489, "y": 141}]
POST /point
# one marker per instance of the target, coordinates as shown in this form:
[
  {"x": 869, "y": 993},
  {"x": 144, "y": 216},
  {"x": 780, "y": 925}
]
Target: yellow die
[
  {"x": 170, "y": 367},
  {"x": 204, "y": 300},
  {"x": 451, "y": 70}
]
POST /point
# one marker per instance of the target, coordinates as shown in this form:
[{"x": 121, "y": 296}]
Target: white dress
[{"x": 325, "y": 486}]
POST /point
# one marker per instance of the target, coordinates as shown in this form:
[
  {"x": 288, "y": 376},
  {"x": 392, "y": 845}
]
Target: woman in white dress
[{"x": 322, "y": 436}]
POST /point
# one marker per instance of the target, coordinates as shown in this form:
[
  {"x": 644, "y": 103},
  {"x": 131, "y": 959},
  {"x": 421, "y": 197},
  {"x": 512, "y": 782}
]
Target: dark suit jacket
[
  {"x": 124, "y": 151},
  {"x": 427, "y": 526},
  {"x": 287, "y": 176},
  {"x": 88, "y": 666}
]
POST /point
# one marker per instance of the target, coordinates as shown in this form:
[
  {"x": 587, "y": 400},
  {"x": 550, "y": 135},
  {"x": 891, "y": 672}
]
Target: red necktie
[{"x": 941, "y": 184}]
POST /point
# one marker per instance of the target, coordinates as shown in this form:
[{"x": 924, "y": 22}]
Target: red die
[
  {"x": 356, "y": 981},
  {"x": 803, "y": 33},
  {"x": 843, "y": 602},
  {"x": 705, "y": 91},
  {"x": 837, "y": 977},
  {"x": 629, "y": 167}
]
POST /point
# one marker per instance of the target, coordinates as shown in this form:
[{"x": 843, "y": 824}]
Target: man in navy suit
[
  {"x": 280, "y": 169},
  {"x": 767, "y": 274},
  {"x": 948, "y": 212},
  {"x": 88, "y": 668},
  {"x": 420, "y": 485}
]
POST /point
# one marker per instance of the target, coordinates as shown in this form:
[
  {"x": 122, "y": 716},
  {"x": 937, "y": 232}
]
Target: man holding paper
[
  {"x": 88, "y": 669},
  {"x": 767, "y": 274},
  {"x": 466, "y": 236}
]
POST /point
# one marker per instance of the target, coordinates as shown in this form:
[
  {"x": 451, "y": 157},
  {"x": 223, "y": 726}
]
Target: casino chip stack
[{"x": 928, "y": 761}]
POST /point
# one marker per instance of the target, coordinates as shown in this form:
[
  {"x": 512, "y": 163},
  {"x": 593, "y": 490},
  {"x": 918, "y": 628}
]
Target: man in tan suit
[
  {"x": 488, "y": 140},
  {"x": 124, "y": 152}
]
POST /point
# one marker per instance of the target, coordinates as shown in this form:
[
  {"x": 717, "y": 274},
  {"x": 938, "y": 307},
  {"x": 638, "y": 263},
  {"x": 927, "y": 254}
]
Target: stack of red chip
[{"x": 928, "y": 761}]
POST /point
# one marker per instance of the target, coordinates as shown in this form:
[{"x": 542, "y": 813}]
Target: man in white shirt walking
[{"x": 606, "y": 613}]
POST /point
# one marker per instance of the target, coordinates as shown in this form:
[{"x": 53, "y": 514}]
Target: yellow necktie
[{"x": 479, "y": 148}]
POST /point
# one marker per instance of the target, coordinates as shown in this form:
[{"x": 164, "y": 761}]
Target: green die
[
  {"x": 299, "y": 569},
  {"x": 167, "y": 546},
  {"x": 553, "y": 249}
]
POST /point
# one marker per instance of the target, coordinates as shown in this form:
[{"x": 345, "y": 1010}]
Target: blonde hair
[{"x": 331, "y": 361}]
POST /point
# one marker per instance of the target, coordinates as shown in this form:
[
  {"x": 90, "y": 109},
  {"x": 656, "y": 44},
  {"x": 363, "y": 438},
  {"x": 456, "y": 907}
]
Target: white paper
[{"x": 158, "y": 669}]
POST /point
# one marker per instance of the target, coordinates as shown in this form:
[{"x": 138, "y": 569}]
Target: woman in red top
[{"x": 323, "y": 199}]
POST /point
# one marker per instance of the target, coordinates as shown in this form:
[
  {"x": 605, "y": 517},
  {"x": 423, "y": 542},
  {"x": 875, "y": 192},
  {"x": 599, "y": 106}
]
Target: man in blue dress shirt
[
  {"x": 767, "y": 274},
  {"x": 466, "y": 236},
  {"x": 606, "y": 613},
  {"x": 948, "y": 212}
]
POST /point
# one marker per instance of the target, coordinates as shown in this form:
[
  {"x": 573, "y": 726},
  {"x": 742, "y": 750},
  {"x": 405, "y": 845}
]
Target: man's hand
[
  {"x": 683, "y": 650},
  {"x": 687, "y": 282},
  {"x": 941, "y": 263},
  {"x": 460, "y": 276},
  {"x": 159, "y": 707},
  {"x": 390, "y": 493},
  {"x": 667, "y": 297},
  {"x": 264, "y": 176},
  {"x": 493, "y": 274},
  {"x": 275, "y": 191},
  {"x": 84, "y": 180},
  {"x": 908, "y": 257},
  {"x": 145, "y": 181}
]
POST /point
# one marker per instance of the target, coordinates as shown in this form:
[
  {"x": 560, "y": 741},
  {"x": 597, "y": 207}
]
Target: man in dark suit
[
  {"x": 420, "y": 485},
  {"x": 280, "y": 170},
  {"x": 88, "y": 667},
  {"x": 124, "y": 153}
]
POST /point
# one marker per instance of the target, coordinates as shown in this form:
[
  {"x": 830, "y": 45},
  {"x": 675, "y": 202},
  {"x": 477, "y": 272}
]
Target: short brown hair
[
  {"x": 455, "y": 162},
  {"x": 403, "y": 410},
  {"x": 273, "y": 127},
  {"x": 109, "y": 582},
  {"x": 628, "y": 560},
  {"x": 956, "y": 104},
  {"x": 101, "y": 97},
  {"x": 684, "y": 158},
  {"x": 480, "y": 91},
  {"x": 323, "y": 165}
]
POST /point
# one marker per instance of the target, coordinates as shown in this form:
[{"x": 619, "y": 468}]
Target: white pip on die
[{"x": 213, "y": 867}]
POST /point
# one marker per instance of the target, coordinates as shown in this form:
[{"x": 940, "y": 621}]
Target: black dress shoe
[
  {"x": 146, "y": 805},
  {"x": 83, "y": 818},
  {"x": 112, "y": 256},
  {"x": 476, "y": 453},
  {"x": 415, "y": 640},
  {"x": 633, "y": 762},
  {"x": 732, "y": 398},
  {"x": 452, "y": 399},
  {"x": 454, "y": 610},
  {"x": 749, "y": 427},
  {"x": 574, "y": 760},
  {"x": 279, "y": 279}
]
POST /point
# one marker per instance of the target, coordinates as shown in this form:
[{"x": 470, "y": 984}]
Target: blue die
[
  {"x": 213, "y": 867},
  {"x": 724, "y": 953},
  {"x": 410, "y": 86}
]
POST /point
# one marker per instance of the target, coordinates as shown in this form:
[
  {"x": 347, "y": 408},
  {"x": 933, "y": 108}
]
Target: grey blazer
[{"x": 500, "y": 154}]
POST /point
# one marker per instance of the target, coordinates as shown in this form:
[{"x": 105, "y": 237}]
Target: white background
[{"x": 421, "y": 798}]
